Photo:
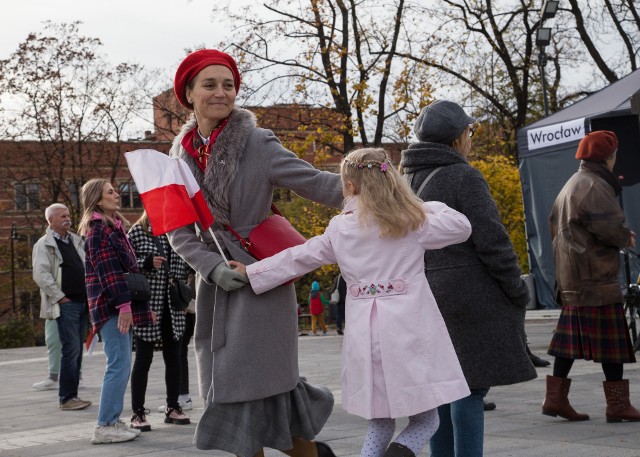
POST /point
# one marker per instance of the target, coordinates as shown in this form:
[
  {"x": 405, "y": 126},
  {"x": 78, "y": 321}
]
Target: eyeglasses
[{"x": 471, "y": 131}]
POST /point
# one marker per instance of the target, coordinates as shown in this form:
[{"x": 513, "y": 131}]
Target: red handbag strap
[
  {"x": 275, "y": 209},
  {"x": 246, "y": 243}
]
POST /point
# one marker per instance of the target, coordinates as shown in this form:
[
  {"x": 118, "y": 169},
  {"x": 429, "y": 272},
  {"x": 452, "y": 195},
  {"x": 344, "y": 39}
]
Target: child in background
[
  {"x": 398, "y": 359},
  {"x": 316, "y": 308}
]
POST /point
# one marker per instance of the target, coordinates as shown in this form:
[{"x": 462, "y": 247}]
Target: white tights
[{"x": 415, "y": 436}]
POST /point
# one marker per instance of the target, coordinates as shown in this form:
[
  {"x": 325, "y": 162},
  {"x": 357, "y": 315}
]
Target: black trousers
[
  {"x": 190, "y": 324},
  {"x": 144, "y": 357}
]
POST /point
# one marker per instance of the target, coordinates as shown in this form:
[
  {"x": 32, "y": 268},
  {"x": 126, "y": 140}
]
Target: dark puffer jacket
[
  {"x": 477, "y": 283},
  {"x": 588, "y": 230}
]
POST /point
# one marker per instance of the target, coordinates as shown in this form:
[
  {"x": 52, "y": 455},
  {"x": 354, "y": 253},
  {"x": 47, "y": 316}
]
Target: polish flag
[{"x": 168, "y": 191}]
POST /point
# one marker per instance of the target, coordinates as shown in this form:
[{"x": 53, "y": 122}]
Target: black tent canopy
[{"x": 546, "y": 157}]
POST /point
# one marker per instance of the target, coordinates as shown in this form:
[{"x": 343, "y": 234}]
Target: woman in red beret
[
  {"x": 588, "y": 230},
  {"x": 246, "y": 344}
]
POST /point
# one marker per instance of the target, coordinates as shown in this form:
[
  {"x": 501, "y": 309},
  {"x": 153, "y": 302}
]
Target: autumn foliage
[{"x": 504, "y": 182}]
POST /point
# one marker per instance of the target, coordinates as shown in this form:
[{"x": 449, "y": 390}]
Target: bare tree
[
  {"x": 485, "y": 52},
  {"x": 67, "y": 106},
  {"x": 340, "y": 54},
  {"x": 601, "y": 28}
]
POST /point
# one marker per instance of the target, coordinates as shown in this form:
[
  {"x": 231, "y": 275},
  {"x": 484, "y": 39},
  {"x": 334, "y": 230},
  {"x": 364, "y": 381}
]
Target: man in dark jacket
[{"x": 588, "y": 230}]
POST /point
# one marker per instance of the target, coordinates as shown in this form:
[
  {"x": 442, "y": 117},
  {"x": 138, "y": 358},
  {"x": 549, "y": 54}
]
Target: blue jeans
[
  {"x": 461, "y": 431},
  {"x": 72, "y": 328},
  {"x": 117, "y": 348}
]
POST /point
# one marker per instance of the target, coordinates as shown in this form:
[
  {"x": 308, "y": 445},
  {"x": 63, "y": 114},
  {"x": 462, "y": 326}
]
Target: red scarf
[{"x": 194, "y": 145}]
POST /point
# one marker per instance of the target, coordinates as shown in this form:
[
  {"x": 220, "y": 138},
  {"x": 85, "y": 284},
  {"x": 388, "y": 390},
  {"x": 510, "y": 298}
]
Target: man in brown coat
[{"x": 588, "y": 230}]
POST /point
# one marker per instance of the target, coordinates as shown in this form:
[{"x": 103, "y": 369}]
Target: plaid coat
[
  {"x": 146, "y": 248},
  {"x": 108, "y": 256}
]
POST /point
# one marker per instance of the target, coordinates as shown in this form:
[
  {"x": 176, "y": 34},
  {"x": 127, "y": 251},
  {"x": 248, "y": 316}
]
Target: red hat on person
[
  {"x": 194, "y": 63},
  {"x": 597, "y": 146}
]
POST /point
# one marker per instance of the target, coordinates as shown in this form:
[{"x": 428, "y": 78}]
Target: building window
[
  {"x": 27, "y": 196},
  {"x": 129, "y": 196}
]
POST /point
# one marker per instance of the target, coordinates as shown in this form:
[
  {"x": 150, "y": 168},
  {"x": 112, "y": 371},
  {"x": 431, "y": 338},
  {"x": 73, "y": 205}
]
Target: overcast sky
[{"x": 153, "y": 33}]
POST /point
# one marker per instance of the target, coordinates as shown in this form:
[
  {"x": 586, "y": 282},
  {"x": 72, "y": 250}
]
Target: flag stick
[{"x": 215, "y": 239}]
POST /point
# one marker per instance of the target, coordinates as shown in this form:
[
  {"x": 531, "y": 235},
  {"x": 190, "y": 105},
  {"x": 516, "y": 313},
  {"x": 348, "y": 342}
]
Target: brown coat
[{"x": 588, "y": 230}]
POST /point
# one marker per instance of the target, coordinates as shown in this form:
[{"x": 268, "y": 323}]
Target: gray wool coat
[
  {"x": 477, "y": 283},
  {"x": 246, "y": 344}
]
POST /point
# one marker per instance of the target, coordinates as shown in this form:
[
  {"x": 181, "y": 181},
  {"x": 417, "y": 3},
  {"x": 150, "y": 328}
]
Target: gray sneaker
[
  {"x": 47, "y": 384},
  {"x": 74, "y": 404},
  {"x": 122, "y": 426},
  {"x": 112, "y": 434}
]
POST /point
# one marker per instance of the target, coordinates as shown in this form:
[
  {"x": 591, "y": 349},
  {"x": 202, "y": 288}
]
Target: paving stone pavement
[{"x": 32, "y": 425}]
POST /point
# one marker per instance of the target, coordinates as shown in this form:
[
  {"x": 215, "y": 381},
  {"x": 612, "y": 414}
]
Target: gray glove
[{"x": 227, "y": 278}]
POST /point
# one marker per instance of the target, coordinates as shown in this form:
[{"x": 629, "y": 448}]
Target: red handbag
[{"x": 270, "y": 236}]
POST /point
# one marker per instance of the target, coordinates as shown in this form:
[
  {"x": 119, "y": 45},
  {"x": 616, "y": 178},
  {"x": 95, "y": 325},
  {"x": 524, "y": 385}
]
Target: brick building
[{"x": 35, "y": 174}]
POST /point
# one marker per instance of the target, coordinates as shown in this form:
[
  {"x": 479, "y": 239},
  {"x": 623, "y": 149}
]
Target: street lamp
[
  {"x": 543, "y": 38},
  {"x": 14, "y": 236},
  {"x": 549, "y": 9}
]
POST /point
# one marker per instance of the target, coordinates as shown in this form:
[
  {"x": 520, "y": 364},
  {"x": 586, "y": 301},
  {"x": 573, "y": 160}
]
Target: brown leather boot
[
  {"x": 306, "y": 448},
  {"x": 619, "y": 407},
  {"x": 556, "y": 402}
]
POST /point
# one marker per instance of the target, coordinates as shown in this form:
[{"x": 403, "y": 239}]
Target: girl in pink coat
[{"x": 398, "y": 359}]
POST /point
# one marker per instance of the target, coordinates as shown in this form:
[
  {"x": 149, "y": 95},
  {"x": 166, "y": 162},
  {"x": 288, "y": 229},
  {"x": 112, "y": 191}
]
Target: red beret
[
  {"x": 194, "y": 63},
  {"x": 597, "y": 146}
]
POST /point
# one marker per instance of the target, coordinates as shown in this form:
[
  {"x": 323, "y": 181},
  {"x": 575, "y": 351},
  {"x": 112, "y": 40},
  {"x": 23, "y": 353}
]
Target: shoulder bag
[
  {"x": 409, "y": 178},
  {"x": 138, "y": 286},
  {"x": 271, "y": 236},
  {"x": 335, "y": 295},
  {"x": 180, "y": 294}
]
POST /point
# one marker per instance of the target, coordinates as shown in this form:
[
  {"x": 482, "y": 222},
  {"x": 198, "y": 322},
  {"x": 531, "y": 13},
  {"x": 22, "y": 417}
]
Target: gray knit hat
[{"x": 441, "y": 122}]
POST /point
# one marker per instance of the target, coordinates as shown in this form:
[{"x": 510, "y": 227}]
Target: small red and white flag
[{"x": 169, "y": 192}]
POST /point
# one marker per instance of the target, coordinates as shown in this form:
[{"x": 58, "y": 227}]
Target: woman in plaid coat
[
  {"x": 157, "y": 261},
  {"x": 109, "y": 256}
]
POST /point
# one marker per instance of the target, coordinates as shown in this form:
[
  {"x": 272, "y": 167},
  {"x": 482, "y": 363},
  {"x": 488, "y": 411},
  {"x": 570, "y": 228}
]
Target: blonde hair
[
  {"x": 90, "y": 195},
  {"x": 143, "y": 221},
  {"x": 383, "y": 195}
]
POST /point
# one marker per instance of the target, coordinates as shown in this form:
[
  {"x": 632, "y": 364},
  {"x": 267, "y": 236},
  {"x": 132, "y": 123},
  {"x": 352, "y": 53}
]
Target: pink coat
[{"x": 408, "y": 364}]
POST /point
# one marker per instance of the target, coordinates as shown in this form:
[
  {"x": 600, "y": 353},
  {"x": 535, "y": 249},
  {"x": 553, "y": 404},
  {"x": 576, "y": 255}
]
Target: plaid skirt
[
  {"x": 598, "y": 333},
  {"x": 245, "y": 428}
]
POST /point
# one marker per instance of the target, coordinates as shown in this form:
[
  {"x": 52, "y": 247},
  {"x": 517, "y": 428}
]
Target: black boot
[
  {"x": 489, "y": 406},
  {"x": 537, "y": 361},
  {"x": 324, "y": 450},
  {"x": 398, "y": 450}
]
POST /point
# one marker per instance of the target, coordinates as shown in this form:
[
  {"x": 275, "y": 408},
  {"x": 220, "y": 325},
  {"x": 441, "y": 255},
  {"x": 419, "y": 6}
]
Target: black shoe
[
  {"x": 489, "y": 406},
  {"x": 324, "y": 450},
  {"x": 398, "y": 450},
  {"x": 339, "y": 332},
  {"x": 538, "y": 362}
]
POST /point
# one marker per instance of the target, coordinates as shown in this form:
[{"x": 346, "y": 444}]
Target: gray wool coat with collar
[
  {"x": 246, "y": 344},
  {"x": 477, "y": 283}
]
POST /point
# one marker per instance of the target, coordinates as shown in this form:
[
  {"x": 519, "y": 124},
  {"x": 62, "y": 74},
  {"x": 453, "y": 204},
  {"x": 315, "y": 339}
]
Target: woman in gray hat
[{"x": 477, "y": 283}]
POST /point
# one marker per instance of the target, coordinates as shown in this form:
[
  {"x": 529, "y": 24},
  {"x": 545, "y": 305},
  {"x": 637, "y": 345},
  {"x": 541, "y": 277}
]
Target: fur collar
[{"x": 222, "y": 165}]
